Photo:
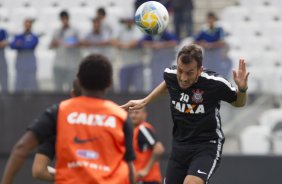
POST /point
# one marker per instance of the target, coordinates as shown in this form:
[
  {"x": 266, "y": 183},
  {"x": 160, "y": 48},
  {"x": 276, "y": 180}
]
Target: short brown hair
[{"x": 189, "y": 53}]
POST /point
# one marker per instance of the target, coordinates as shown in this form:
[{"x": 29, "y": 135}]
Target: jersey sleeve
[
  {"x": 146, "y": 138},
  {"x": 170, "y": 75},
  {"x": 227, "y": 92},
  {"x": 48, "y": 148},
  {"x": 45, "y": 125},
  {"x": 128, "y": 135}
]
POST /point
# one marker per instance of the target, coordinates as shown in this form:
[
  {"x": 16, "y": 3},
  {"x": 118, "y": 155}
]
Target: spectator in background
[
  {"x": 106, "y": 24},
  {"x": 3, "y": 62},
  {"x": 211, "y": 38},
  {"x": 163, "y": 53},
  {"x": 127, "y": 39},
  {"x": 183, "y": 17},
  {"x": 66, "y": 44},
  {"x": 25, "y": 45},
  {"x": 98, "y": 40}
]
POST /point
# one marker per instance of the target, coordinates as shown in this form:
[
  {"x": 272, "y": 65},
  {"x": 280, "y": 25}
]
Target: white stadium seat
[
  {"x": 258, "y": 44},
  {"x": 251, "y": 3},
  {"x": 270, "y": 118},
  {"x": 235, "y": 55},
  {"x": 255, "y": 83},
  {"x": 4, "y": 14},
  {"x": 276, "y": 43},
  {"x": 265, "y": 13},
  {"x": 276, "y": 3},
  {"x": 271, "y": 29},
  {"x": 244, "y": 29},
  {"x": 50, "y": 14},
  {"x": 234, "y": 42},
  {"x": 233, "y": 14},
  {"x": 269, "y": 81},
  {"x": 276, "y": 87},
  {"x": 19, "y": 14},
  {"x": 48, "y": 3},
  {"x": 81, "y": 14},
  {"x": 268, "y": 58},
  {"x": 277, "y": 143},
  {"x": 255, "y": 140}
]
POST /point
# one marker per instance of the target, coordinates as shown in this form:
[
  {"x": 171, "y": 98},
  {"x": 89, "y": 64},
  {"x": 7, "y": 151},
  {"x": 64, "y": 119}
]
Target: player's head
[
  {"x": 76, "y": 90},
  {"x": 189, "y": 65},
  {"x": 64, "y": 16},
  {"x": 28, "y": 24},
  {"x": 138, "y": 116},
  {"x": 101, "y": 13},
  {"x": 95, "y": 73},
  {"x": 211, "y": 18}
]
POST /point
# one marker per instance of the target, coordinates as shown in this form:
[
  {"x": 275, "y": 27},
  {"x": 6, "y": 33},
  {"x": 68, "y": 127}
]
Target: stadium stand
[{"x": 253, "y": 136}]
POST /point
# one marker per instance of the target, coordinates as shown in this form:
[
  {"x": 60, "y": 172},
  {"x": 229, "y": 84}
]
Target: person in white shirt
[
  {"x": 127, "y": 41},
  {"x": 66, "y": 44}
]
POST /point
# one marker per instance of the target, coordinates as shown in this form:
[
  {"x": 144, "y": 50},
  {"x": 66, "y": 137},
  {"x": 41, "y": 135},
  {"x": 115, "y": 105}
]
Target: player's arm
[
  {"x": 157, "y": 151},
  {"x": 211, "y": 45},
  {"x": 19, "y": 154},
  {"x": 42, "y": 160},
  {"x": 129, "y": 153},
  {"x": 131, "y": 44},
  {"x": 139, "y": 104},
  {"x": 42, "y": 128},
  {"x": 55, "y": 42},
  {"x": 40, "y": 168},
  {"x": 3, "y": 44},
  {"x": 241, "y": 79}
]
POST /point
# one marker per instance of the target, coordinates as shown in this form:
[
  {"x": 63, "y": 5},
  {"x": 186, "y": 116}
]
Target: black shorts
[
  {"x": 148, "y": 182},
  {"x": 199, "y": 160}
]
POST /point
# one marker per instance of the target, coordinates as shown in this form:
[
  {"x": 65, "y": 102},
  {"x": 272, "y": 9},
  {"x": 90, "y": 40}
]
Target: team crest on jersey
[{"x": 197, "y": 96}]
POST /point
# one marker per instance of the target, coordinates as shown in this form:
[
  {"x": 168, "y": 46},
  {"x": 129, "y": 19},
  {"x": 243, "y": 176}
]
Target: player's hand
[
  {"x": 134, "y": 105},
  {"x": 142, "y": 173},
  {"x": 241, "y": 75}
]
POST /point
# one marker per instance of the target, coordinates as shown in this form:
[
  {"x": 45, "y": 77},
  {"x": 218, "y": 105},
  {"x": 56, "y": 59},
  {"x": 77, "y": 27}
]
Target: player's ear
[
  {"x": 201, "y": 69},
  {"x": 72, "y": 93},
  {"x": 145, "y": 115}
]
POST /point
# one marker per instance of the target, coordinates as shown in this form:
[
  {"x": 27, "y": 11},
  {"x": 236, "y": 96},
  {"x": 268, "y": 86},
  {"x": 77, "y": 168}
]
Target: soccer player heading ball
[{"x": 195, "y": 96}]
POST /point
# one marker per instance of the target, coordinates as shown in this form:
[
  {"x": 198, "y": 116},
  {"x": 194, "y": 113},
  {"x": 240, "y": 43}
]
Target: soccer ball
[{"x": 152, "y": 17}]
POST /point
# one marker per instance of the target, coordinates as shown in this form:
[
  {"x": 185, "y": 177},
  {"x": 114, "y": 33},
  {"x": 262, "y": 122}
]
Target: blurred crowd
[{"x": 138, "y": 59}]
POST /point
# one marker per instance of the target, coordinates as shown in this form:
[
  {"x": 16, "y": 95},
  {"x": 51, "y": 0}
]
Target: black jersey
[
  {"x": 195, "y": 111},
  {"x": 47, "y": 148}
]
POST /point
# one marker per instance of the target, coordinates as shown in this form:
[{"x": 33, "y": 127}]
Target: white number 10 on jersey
[{"x": 184, "y": 97}]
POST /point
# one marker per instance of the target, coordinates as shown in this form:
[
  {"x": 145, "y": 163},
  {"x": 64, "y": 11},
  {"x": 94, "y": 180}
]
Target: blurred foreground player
[
  {"x": 147, "y": 149},
  {"x": 195, "y": 96},
  {"x": 46, "y": 151},
  {"x": 93, "y": 135}
]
